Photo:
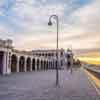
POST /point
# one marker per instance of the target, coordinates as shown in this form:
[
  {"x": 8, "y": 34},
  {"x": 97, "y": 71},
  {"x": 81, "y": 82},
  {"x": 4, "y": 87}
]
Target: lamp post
[{"x": 50, "y": 24}]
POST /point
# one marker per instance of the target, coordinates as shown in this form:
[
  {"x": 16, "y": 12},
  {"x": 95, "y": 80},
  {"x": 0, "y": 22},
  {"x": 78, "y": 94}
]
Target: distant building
[{"x": 69, "y": 58}]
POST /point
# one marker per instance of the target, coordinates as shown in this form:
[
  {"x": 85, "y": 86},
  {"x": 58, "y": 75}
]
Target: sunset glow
[{"x": 90, "y": 60}]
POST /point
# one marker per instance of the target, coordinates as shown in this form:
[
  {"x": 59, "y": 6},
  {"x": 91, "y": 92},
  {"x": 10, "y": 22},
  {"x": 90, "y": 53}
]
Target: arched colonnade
[{"x": 24, "y": 63}]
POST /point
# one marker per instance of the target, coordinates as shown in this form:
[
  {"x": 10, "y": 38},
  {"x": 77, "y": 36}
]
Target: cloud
[
  {"x": 84, "y": 23},
  {"x": 33, "y": 20},
  {"x": 1, "y": 3},
  {"x": 2, "y": 29},
  {"x": 27, "y": 21},
  {"x": 4, "y": 32},
  {"x": 87, "y": 16}
]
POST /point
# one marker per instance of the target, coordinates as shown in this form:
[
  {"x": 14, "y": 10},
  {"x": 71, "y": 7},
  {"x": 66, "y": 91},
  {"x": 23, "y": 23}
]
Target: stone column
[
  {"x": 36, "y": 64},
  {"x": 39, "y": 64},
  {"x": 71, "y": 60},
  {"x": 9, "y": 63},
  {"x": 5, "y": 63},
  {"x": 49, "y": 65},
  {"x": 18, "y": 64},
  {"x": 31, "y": 65},
  {"x": 25, "y": 65},
  {"x": 53, "y": 64},
  {"x": 43, "y": 64}
]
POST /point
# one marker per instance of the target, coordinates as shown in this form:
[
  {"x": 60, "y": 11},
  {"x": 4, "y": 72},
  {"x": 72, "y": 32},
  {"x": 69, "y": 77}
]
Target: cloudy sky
[{"x": 26, "y": 23}]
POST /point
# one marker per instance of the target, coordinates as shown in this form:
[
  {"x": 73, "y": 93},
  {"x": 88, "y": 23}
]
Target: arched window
[
  {"x": 21, "y": 64},
  {"x": 1, "y": 61},
  {"x": 33, "y": 64},
  {"x": 38, "y": 64},
  {"x": 28, "y": 64},
  {"x": 13, "y": 63}
]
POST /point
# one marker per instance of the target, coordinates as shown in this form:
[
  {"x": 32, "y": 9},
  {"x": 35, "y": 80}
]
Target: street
[{"x": 40, "y": 85}]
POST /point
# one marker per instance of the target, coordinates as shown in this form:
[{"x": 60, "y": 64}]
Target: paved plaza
[{"x": 40, "y": 85}]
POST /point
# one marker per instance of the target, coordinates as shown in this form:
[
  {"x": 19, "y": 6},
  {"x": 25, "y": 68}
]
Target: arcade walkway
[{"x": 41, "y": 86}]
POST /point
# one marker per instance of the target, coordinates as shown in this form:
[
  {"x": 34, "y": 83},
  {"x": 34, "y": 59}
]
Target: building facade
[
  {"x": 69, "y": 58},
  {"x": 12, "y": 60}
]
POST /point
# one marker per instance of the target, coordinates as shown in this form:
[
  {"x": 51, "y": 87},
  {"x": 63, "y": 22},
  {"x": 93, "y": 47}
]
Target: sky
[{"x": 26, "y": 23}]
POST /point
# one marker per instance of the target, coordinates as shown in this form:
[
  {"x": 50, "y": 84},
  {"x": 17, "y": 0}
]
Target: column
[
  {"x": 9, "y": 63},
  {"x": 49, "y": 65},
  {"x": 25, "y": 65},
  {"x": 39, "y": 64},
  {"x": 36, "y": 64},
  {"x": 52, "y": 65},
  {"x": 71, "y": 60},
  {"x": 43, "y": 65},
  {"x": 31, "y": 66},
  {"x": 18, "y": 64},
  {"x": 5, "y": 63}
]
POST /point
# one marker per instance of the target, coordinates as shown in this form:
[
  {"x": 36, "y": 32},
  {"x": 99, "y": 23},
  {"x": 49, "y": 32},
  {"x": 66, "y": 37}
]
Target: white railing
[{"x": 92, "y": 69}]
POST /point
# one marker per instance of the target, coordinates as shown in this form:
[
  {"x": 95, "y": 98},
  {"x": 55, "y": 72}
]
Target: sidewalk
[{"x": 41, "y": 86}]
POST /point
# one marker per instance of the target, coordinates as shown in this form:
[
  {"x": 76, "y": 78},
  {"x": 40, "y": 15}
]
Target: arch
[
  {"x": 13, "y": 63},
  {"x": 21, "y": 64},
  {"x": 42, "y": 65},
  {"x": 47, "y": 64},
  {"x": 37, "y": 64},
  {"x": 28, "y": 64},
  {"x": 1, "y": 61},
  {"x": 33, "y": 64}
]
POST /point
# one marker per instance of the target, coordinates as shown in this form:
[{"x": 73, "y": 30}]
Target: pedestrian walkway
[{"x": 41, "y": 86}]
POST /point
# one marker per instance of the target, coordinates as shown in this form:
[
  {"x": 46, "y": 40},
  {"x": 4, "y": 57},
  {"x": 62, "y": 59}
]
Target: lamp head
[{"x": 50, "y": 23}]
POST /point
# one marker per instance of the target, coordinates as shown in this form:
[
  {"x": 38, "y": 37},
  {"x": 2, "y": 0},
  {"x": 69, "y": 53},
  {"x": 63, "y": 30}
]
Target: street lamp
[{"x": 50, "y": 24}]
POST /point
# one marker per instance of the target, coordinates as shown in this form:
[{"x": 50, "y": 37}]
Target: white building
[{"x": 12, "y": 60}]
